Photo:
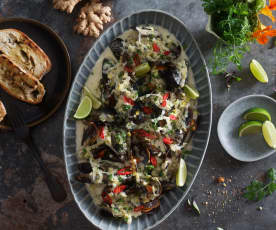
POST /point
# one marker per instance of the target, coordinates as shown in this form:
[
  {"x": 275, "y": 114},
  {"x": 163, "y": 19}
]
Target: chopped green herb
[
  {"x": 257, "y": 190},
  {"x": 121, "y": 74},
  {"x": 120, "y": 179},
  {"x": 126, "y": 107},
  {"x": 110, "y": 177}
]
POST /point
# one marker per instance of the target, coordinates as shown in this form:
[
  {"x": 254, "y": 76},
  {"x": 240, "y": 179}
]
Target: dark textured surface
[{"x": 24, "y": 200}]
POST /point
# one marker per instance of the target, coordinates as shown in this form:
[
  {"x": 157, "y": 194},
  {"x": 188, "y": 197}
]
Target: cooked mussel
[
  {"x": 90, "y": 134},
  {"x": 149, "y": 206},
  {"x": 117, "y": 47},
  {"x": 105, "y": 152},
  {"x": 171, "y": 75},
  {"x": 85, "y": 167}
]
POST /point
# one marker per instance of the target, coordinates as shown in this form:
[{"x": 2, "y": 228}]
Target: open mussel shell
[
  {"x": 149, "y": 206},
  {"x": 90, "y": 134},
  {"x": 171, "y": 75},
  {"x": 117, "y": 47}
]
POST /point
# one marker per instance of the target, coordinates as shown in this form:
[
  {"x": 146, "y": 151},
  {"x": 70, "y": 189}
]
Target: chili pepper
[
  {"x": 172, "y": 117},
  {"x": 147, "y": 110},
  {"x": 155, "y": 48},
  {"x": 106, "y": 198},
  {"x": 137, "y": 60},
  {"x": 153, "y": 160},
  {"x": 149, "y": 188},
  {"x": 167, "y": 52},
  {"x": 143, "y": 133},
  {"x": 128, "y": 69},
  {"x": 167, "y": 140},
  {"x": 165, "y": 97},
  {"x": 124, "y": 171},
  {"x": 128, "y": 100},
  {"x": 138, "y": 208},
  {"x": 101, "y": 132},
  {"x": 119, "y": 189}
]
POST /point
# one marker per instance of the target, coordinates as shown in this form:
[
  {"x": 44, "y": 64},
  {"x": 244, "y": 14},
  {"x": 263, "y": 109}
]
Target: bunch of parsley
[{"x": 233, "y": 21}]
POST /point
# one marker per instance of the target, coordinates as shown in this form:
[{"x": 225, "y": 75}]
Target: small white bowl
[{"x": 251, "y": 147}]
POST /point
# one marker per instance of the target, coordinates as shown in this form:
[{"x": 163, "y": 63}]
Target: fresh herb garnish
[
  {"x": 234, "y": 22},
  {"x": 257, "y": 190},
  {"x": 126, "y": 107}
]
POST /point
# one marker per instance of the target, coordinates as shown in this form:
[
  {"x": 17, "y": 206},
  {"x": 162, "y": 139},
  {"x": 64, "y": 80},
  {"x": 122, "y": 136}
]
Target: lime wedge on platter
[
  {"x": 191, "y": 92},
  {"x": 181, "y": 174},
  {"x": 258, "y": 71},
  {"x": 84, "y": 108},
  {"x": 257, "y": 114},
  {"x": 250, "y": 127},
  {"x": 269, "y": 133},
  {"x": 96, "y": 104}
]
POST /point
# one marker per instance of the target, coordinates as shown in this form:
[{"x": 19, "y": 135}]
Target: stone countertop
[{"x": 25, "y": 203}]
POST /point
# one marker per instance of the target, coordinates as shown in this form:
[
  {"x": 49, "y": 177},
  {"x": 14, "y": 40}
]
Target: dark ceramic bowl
[{"x": 171, "y": 199}]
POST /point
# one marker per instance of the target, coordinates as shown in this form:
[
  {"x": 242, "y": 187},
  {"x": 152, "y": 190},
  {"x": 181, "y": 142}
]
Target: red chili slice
[
  {"x": 144, "y": 133},
  {"x": 101, "y": 132},
  {"x": 119, "y": 189},
  {"x": 128, "y": 100},
  {"x": 100, "y": 154},
  {"x": 172, "y": 117},
  {"x": 155, "y": 48},
  {"x": 106, "y": 198},
  {"x": 147, "y": 110},
  {"x": 138, "y": 208},
  {"x": 167, "y": 140},
  {"x": 167, "y": 53},
  {"x": 128, "y": 69},
  {"x": 124, "y": 171},
  {"x": 165, "y": 97},
  {"x": 153, "y": 160},
  {"x": 137, "y": 60}
]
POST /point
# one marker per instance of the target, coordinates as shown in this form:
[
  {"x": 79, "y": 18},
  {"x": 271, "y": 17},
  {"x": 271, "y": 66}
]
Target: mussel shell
[
  {"x": 149, "y": 206},
  {"x": 117, "y": 47},
  {"x": 90, "y": 134},
  {"x": 175, "y": 51},
  {"x": 172, "y": 76},
  {"x": 85, "y": 167},
  {"x": 108, "y": 153}
]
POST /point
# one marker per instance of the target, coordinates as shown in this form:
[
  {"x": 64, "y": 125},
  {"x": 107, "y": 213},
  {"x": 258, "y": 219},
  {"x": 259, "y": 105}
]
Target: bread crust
[
  {"x": 18, "y": 83},
  {"x": 22, "y": 50},
  {"x": 3, "y": 111}
]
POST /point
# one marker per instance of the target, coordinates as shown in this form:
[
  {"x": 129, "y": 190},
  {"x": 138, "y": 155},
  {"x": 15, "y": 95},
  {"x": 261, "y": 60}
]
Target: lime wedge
[
  {"x": 84, "y": 108},
  {"x": 250, "y": 127},
  {"x": 269, "y": 133},
  {"x": 258, "y": 71},
  {"x": 257, "y": 114},
  {"x": 181, "y": 174},
  {"x": 191, "y": 92},
  {"x": 96, "y": 104}
]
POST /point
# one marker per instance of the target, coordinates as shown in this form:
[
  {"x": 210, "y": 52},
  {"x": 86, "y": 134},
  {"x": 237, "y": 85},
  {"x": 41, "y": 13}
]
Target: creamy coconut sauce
[{"x": 93, "y": 85}]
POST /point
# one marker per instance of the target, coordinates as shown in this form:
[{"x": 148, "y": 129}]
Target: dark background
[{"x": 24, "y": 199}]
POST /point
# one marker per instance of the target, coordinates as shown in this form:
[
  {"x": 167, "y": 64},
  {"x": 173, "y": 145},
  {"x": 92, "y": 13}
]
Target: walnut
[
  {"x": 91, "y": 18},
  {"x": 65, "y": 5}
]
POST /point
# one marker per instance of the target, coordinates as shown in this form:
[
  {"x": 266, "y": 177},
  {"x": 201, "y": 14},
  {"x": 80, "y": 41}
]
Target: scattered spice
[{"x": 220, "y": 179}]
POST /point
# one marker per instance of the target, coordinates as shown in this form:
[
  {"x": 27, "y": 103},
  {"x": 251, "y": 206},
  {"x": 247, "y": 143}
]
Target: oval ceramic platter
[{"x": 171, "y": 199}]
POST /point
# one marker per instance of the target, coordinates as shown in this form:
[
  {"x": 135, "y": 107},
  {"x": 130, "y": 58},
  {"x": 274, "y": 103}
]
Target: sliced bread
[
  {"x": 18, "y": 83},
  {"x": 3, "y": 112},
  {"x": 23, "y": 51}
]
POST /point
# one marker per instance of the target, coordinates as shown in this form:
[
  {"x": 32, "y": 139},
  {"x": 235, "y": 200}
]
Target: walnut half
[{"x": 65, "y": 5}]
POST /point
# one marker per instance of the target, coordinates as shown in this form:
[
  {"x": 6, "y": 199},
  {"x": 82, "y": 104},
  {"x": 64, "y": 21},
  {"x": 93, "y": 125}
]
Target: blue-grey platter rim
[
  {"x": 243, "y": 103},
  {"x": 170, "y": 200}
]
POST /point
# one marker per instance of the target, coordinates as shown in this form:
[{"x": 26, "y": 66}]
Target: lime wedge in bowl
[
  {"x": 269, "y": 133},
  {"x": 257, "y": 114},
  {"x": 250, "y": 127},
  {"x": 181, "y": 174},
  {"x": 84, "y": 108},
  {"x": 96, "y": 104},
  {"x": 258, "y": 71},
  {"x": 191, "y": 92}
]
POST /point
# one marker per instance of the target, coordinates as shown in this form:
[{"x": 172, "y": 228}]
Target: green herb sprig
[
  {"x": 257, "y": 190},
  {"x": 235, "y": 21}
]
